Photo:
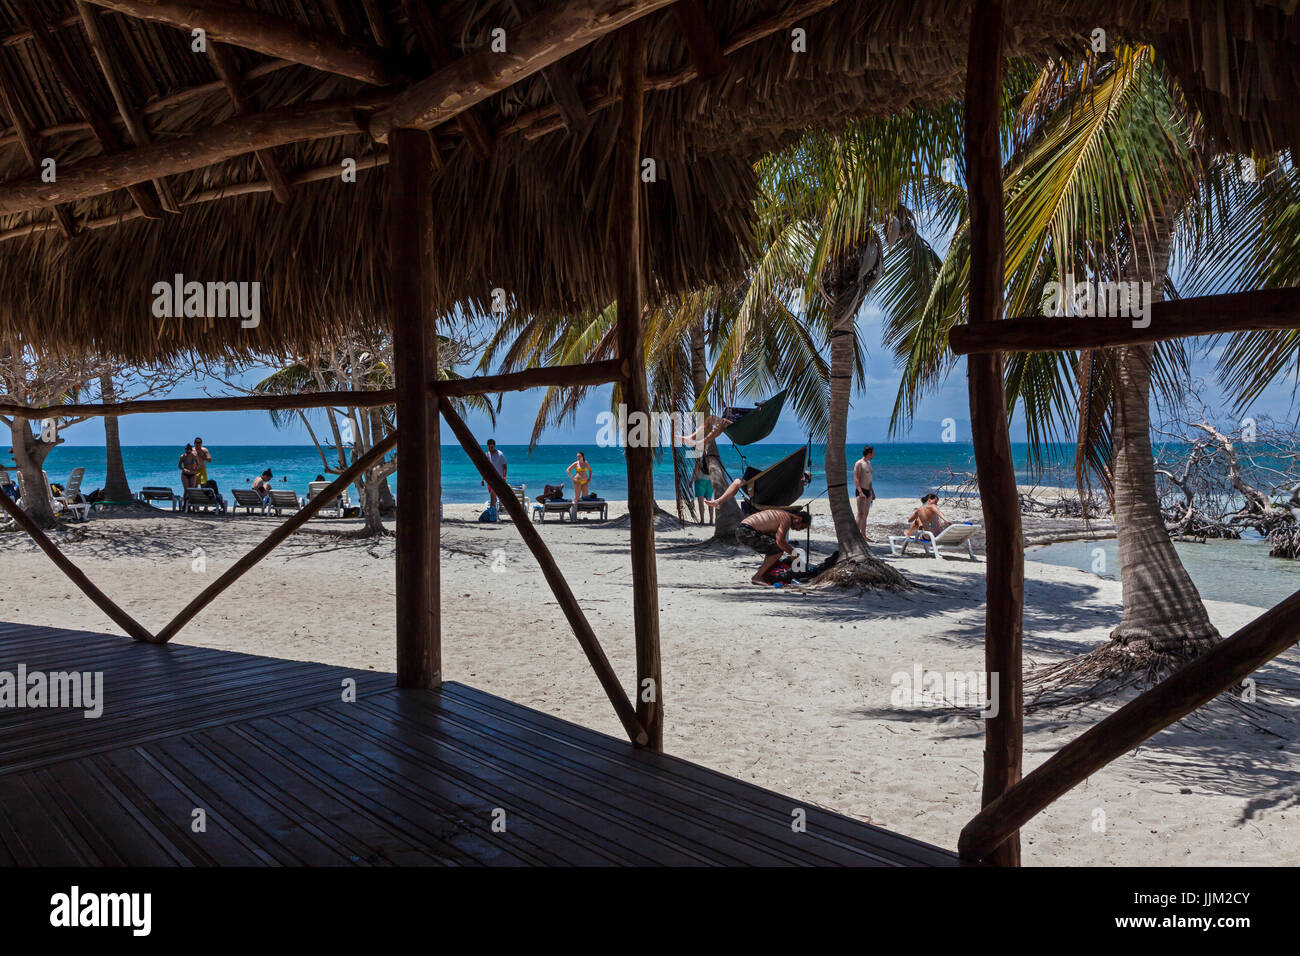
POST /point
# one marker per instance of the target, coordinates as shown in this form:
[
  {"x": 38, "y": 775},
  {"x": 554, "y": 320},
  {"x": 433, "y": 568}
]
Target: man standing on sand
[
  {"x": 863, "y": 478},
  {"x": 204, "y": 458},
  {"x": 766, "y": 532},
  {"x": 498, "y": 460}
]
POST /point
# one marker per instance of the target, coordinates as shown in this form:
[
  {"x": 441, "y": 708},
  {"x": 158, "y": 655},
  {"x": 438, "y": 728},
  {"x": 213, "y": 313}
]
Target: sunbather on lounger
[{"x": 928, "y": 517}]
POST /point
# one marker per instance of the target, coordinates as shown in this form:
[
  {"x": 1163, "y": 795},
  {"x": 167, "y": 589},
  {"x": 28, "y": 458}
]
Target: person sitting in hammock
[
  {"x": 739, "y": 483},
  {"x": 715, "y": 425}
]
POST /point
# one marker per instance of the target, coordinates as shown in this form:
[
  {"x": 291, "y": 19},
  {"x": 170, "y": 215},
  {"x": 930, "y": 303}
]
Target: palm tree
[
  {"x": 116, "y": 486},
  {"x": 1104, "y": 164},
  {"x": 833, "y": 210}
]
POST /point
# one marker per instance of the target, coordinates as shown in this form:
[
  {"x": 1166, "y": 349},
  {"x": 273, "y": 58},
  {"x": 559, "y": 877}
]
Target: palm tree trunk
[
  {"x": 116, "y": 486},
  {"x": 728, "y": 516},
  {"x": 1162, "y": 608},
  {"x": 847, "y": 280}
]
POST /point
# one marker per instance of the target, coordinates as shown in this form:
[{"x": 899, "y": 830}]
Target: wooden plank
[
  {"x": 241, "y": 26},
  {"x": 625, "y": 253},
  {"x": 234, "y": 403},
  {"x": 566, "y": 376},
  {"x": 1262, "y": 310},
  {"x": 559, "y": 30},
  {"x": 415, "y": 358},
  {"x": 554, "y": 577},
  {"x": 396, "y": 777},
  {"x": 1220, "y": 669},
  {"x": 568, "y": 99},
  {"x": 1004, "y": 546}
]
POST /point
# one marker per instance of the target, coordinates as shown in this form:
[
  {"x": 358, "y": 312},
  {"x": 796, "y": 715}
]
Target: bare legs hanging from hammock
[
  {"x": 739, "y": 483},
  {"x": 715, "y": 425}
]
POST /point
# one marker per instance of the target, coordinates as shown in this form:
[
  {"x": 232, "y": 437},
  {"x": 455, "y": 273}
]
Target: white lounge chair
[
  {"x": 58, "y": 504},
  {"x": 953, "y": 536},
  {"x": 248, "y": 499},
  {"x": 316, "y": 487},
  {"x": 69, "y": 499},
  {"x": 282, "y": 499}
]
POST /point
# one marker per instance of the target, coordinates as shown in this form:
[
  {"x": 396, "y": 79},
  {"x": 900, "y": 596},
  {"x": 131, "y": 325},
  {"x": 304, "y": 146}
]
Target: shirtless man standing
[
  {"x": 863, "y": 477},
  {"x": 766, "y": 532}
]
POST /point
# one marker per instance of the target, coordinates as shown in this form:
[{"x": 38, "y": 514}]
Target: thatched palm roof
[{"x": 523, "y": 209}]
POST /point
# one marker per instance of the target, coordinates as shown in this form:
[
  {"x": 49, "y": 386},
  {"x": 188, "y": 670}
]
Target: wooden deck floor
[{"x": 288, "y": 773}]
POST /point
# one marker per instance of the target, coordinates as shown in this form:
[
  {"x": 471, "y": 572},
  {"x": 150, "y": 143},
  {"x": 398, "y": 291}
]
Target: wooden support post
[
  {"x": 625, "y": 252},
  {"x": 554, "y": 577},
  {"x": 1005, "y": 562},
  {"x": 318, "y": 503},
  {"x": 74, "y": 574},
  {"x": 415, "y": 352}
]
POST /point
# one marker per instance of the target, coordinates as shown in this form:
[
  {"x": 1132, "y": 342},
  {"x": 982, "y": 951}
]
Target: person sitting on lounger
[
  {"x": 928, "y": 517},
  {"x": 262, "y": 485},
  {"x": 766, "y": 532},
  {"x": 739, "y": 483},
  {"x": 715, "y": 425}
]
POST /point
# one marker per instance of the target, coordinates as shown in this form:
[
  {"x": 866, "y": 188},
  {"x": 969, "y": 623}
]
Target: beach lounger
[
  {"x": 248, "y": 499},
  {"x": 71, "y": 495},
  {"x": 953, "y": 536},
  {"x": 566, "y": 507},
  {"x": 201, "y": 499},
  {"x": 156, "y": 493},
  {"x": 316, "y": 487},
  {"x": 282, "y": 499},
  {"x": 58, "y": 504}
]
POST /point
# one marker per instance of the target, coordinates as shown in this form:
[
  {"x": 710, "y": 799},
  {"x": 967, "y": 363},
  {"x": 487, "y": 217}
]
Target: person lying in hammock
[
  {"x": 735, "y": 486},
  {"x": 715, "y": 425}
]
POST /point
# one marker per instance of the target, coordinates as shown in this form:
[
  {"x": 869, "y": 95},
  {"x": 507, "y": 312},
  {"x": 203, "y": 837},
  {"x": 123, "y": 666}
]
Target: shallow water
[{"x": 1237, "y": 571}]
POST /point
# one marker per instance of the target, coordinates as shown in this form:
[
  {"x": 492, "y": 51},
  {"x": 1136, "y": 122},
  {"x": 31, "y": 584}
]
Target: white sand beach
[{"x": 789, "y": 689}]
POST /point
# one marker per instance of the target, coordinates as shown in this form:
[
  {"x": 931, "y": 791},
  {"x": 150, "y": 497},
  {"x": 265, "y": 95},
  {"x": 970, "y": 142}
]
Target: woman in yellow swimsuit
[{"x": 580, "y": 472}]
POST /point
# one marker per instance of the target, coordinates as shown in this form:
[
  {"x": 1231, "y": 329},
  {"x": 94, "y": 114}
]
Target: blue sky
[{"x": 868, "y": 419}]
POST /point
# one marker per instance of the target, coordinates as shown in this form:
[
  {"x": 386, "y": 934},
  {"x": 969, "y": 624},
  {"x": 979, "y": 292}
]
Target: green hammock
[{"x": 758, "y": 424}]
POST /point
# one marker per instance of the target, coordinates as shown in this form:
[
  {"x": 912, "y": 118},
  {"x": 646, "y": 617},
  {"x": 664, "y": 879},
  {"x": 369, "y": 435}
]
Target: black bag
[{"x": 551, "y": 493}]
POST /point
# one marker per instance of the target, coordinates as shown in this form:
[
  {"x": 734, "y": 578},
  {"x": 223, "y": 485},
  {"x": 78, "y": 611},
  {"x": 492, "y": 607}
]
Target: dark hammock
[
  {"x": 779, "y": 485},
  {"x": 758, "y": 424}
]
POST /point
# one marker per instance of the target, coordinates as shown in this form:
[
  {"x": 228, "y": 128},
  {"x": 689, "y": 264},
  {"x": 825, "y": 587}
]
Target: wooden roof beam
[
  {"x": 112, "y": 71},
  {"x": 568, "y": 99},
  {"x": 303, "y": 122},
  {"x": 378, "y": 23},
  {"x": 559, "y": 30},
  {"x": 429, "y": 34},
  {"x": 225, "y": 67},
  {"x": 67, "y": 225},
  {"x": 1263, "y": 310},
  {"x": 241, "y": 26},
  {"x": 700, "y": 37},
  {"x": 44, "y": 42}
]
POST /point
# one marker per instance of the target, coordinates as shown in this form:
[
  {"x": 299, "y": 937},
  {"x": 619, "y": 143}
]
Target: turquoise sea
[{"x": 902, "y": 470}]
